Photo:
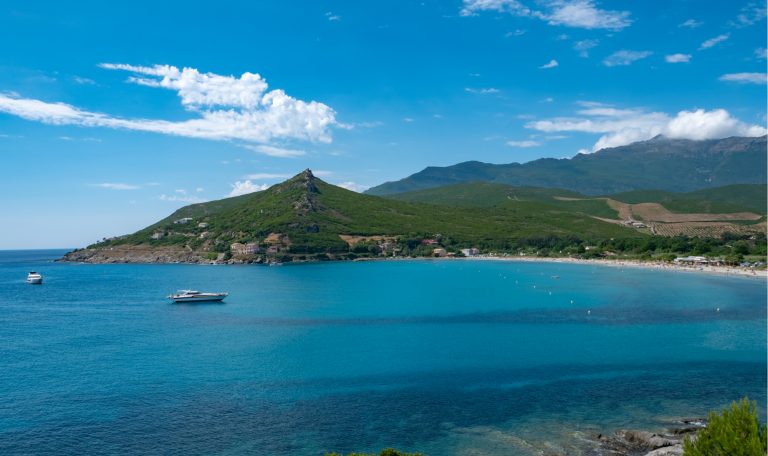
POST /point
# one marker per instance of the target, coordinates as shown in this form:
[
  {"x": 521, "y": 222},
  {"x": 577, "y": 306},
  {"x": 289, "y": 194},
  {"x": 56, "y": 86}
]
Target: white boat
[
  {"x": 196, "y": 296},
  {"x": 34, "y": 278}
]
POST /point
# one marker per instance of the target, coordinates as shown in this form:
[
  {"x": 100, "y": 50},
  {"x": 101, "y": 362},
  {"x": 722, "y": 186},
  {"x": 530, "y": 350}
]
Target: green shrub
[
  {"x": 737, "y": 432},
  {"x": 384, "y": 452}
]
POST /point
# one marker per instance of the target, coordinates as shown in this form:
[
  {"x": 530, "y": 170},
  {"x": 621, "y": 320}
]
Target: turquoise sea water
[{"x": 444, "y": 357}]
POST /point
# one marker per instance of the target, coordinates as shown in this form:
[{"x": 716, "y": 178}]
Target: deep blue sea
[{"x": 444, "y": 357}]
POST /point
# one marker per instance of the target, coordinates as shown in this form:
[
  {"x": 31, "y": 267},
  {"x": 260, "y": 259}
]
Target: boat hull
[
  {"x": 35, "y": 281},
  {"x": 209, "y": 298}
]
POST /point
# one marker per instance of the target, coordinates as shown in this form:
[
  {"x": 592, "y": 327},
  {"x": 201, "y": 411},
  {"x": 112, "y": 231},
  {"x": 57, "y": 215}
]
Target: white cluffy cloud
[
  {"x": 624, "y": 57},
  {"x": 713, "y": 41},
  {"x": 584, "y": 14},
  {"x": 745, "y": 78},
  {"x": 245, "y": 187},
  {"x": 569, "y": 13},
  {"x": 624, "y": 126},
  {"x": 552, "y": 63},
  {"x": 227, "y": 108},
  {"x": 678, "y": 58}
]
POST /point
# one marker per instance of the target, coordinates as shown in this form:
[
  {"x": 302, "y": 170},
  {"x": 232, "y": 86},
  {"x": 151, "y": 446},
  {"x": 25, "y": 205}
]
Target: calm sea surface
[{"x": 444, "y": 357}]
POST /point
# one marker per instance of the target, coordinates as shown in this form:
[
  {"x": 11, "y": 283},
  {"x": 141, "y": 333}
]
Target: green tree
[
  {"x": 735, "y": 432},
  {"x": 384, "y": 452}
]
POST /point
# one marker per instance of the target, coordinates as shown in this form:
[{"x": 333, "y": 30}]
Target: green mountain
[
  {"x": 305, "y": 216},
  {"x": 487, "y": 194},
  {"x": 675, "y": 165},
  {"x": 719, "y": 200}
]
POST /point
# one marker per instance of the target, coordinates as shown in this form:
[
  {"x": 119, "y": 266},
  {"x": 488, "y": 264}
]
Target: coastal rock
[
  {"x": 644, "y": 439},
  {"x": 136, "y": 254},
  {"x": 629, "y": 442},
  {"x": 674, "y": 450}
]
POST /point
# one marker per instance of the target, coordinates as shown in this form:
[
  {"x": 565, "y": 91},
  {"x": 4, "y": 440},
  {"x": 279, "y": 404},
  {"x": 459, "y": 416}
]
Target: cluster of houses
[
  {"x": 634, "y": 224},
  {"x": 698, "y": 261},
  {"x": 252, "y": 248},
  {"x": 704, "y": 261}
]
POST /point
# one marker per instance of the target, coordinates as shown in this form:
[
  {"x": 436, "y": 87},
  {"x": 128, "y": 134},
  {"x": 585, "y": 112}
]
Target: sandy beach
[{"x": 658, "y": 265}]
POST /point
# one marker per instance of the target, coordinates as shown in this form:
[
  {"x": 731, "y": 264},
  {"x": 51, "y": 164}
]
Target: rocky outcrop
[
  {"x": 136, "y": 254},
  {"x": 628, "y": 442}
]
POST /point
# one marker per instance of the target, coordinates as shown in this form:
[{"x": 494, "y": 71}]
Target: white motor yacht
[
  {"x": 196, "y": 296},
  {"x": 34, "y": 278}
]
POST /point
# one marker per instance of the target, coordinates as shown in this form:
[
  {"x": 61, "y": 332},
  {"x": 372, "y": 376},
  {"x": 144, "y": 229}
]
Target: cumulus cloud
[
  {"x": 745, "y": 78},
  {"x": 552, "y": 63},
  {"x": 678, "y": 58},
  {"x": 713, "y": 41},
  {"x": 245, "y": 187},
  {"x": 623, "y": 126},
  {"x": 116, "y": 186},
  {"x": 472, "y": 7},
  {"x": 624, "y": 57},
  {"x": 569, "y": 13},
  {"x": 584, "y": 14},
  {"x": 524, "y": 144},
  {"x": 226, "y": 108}
]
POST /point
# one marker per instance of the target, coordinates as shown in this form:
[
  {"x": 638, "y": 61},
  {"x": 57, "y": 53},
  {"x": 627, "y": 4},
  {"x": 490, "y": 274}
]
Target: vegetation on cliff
[{"x": 736, "y": 431}]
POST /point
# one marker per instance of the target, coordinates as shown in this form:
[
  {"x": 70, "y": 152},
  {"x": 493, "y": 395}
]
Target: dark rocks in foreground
[{"x": 643, "y": 443}]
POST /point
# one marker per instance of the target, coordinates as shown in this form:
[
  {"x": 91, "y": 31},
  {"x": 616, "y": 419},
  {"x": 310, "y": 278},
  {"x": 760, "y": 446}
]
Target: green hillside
[
  {"x": 486, "y": 194},
  {"x": 727, "y": 199},
  {"x": 310, "y": 215},
  {"x": 730, "y": 198}
]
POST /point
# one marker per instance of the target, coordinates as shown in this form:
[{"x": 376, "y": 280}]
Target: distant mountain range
[
  {"x": 675, "y": 165},
  {"x": 305, "y": 216}
]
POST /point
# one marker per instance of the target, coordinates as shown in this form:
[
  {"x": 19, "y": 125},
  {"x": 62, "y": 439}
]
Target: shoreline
[
  {"x": 655, "y": 265},
  {"x": 130, "y": 257}
]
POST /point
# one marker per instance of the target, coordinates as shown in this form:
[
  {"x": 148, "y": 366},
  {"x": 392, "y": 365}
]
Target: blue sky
[{"x": 112, "y": 115}]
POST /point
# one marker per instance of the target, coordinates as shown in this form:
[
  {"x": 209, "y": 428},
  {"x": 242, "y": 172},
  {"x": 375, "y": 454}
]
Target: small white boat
[
  {"x": 196, "y": 296},
  {"x": 34, "y": 278}
]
